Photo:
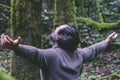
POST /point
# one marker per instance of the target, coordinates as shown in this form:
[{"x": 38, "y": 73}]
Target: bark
[
  {"x": 25, "y": 22},
  {"x": 64, "y": 12}
]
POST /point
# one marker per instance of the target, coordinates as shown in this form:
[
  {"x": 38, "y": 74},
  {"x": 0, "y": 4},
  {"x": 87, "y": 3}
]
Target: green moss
[
  {"x": 26, "y": 22},
  {"x": 99, "y": 26},
  {"x": 65, "y": 12},
  {"x": 88, "y": 21},
  {"x": 4, "y": 76},
  {"x": 25, "y": 16},
  {"x": 55, "y": 13},
  {"x": 114, "y": 75},
  {"x": 98, "y": 11},
  {"x": 106, "y": 26},
  {"x": 12, "y": 19},
  {"x": 82, "y": 7}
]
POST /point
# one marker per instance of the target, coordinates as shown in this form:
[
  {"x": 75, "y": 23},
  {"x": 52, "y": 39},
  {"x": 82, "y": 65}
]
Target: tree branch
[
  {"x": 100, "y": 26},
  {"x": 5, "y": 6}
]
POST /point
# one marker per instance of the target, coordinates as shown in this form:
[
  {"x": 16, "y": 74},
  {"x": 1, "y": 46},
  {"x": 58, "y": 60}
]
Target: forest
[{"x": 35, "y": 20}]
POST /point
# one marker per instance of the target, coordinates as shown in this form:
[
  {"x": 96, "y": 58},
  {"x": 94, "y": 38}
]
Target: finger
[
  {"x": 115, "y": 36},
  {"x": 9, "y": 39},
  {"x": 17, "y": 41},
  {"x": 113, "y": 33},
  {"x": 4, "y": 39},
  {"x": 1, "y": 37}
]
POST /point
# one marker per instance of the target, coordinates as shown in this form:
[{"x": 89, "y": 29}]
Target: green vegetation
[
  {"x": 34, "y": 20},
  {"x": 4, "y": 76},
  {"x": 26, "y": 22},
  {"x": 5, "y": 6},
  {"x": 99, "y": 26},
  {"x": 64, "y": 12}
]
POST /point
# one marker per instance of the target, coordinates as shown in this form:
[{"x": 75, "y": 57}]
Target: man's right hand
[
  {"x": 9, "y": 43},
  {"x": 111, "y": 37}
]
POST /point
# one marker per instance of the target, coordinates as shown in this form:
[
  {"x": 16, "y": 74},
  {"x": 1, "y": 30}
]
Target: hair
[{"x": 68, "y": 37}]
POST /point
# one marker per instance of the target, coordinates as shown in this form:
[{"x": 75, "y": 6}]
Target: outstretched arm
[
  {"x": 90, "y": 52},
  {"x": 30, "y": 53},
  {"x": 9, "y": 43}
]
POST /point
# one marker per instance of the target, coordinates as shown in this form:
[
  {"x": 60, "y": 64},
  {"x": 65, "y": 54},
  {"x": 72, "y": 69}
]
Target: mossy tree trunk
[
  {"x": 25, "y": 22},
  {"x": 64, "y": 12}
]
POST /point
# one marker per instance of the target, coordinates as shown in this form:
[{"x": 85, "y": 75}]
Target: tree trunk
[
  {"x": 64, "y": 12},
  {"x": 25, "y": 22}
]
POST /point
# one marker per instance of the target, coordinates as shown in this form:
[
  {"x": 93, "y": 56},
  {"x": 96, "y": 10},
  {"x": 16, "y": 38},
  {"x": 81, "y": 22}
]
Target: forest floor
[
  {"x": 5, "y": 60},
  {"x": 105, "y": 66}
]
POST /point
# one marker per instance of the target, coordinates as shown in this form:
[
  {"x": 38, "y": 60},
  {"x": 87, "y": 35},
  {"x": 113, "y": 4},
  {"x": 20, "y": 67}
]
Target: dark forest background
[{"x": 35, "y": 20}]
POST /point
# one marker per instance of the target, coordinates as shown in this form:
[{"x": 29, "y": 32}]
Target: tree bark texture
[
  {"x": 64, "y": 12},
  {"x": 25, "y": 22}
]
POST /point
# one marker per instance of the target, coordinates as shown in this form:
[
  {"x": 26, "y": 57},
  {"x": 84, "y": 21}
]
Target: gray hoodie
[{"x": 58, "y": 64}]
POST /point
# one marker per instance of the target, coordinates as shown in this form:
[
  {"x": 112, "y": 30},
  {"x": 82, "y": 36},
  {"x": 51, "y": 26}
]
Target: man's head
[{"x": 66, "y": 36}]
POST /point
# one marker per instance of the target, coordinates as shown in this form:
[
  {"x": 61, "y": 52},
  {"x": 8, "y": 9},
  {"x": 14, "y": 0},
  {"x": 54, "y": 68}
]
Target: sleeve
[
  {"x": 32, "y": 54},
  {"x": 91, "y": 52}
]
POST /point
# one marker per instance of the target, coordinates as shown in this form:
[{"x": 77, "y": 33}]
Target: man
[{"x": 64, "y": 60}]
